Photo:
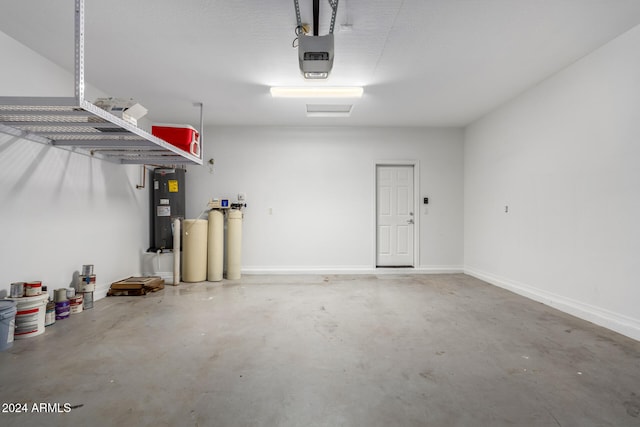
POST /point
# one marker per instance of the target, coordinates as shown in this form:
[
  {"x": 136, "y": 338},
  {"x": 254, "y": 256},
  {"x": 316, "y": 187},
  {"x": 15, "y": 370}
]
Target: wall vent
[{"x": 329, "y": 110}]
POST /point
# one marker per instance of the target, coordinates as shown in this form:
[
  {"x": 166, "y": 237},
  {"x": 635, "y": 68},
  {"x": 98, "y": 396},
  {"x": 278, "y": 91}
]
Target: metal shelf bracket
[{"x": 78, "y": 125}]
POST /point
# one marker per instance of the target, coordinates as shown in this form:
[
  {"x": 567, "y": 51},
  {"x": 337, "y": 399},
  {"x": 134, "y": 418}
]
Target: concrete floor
[{"x": 392, "y": 350}]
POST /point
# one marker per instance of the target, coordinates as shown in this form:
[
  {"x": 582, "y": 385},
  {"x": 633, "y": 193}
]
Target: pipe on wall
[{"x": 176, "y": 251}]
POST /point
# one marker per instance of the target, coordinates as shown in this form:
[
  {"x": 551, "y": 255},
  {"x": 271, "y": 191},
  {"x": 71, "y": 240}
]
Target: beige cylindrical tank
[
  {"x": 234, "y": 244},
  {"x": 194, "y": 250},
  {"x": 215, "y": 244}
]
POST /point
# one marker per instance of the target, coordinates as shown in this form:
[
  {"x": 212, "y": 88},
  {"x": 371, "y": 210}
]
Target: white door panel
[
  {"x": 384, "y": 240},
  {"x": 395, "y": 218}
]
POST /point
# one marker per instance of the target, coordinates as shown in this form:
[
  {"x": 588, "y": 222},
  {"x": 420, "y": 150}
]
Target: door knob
[{"x": 410, "y": 221}]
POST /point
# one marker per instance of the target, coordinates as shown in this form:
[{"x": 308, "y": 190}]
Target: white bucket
[{"x": 30, "y": 316}]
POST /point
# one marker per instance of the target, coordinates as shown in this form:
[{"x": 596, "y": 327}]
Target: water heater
[{"x": 167, "y": 204}]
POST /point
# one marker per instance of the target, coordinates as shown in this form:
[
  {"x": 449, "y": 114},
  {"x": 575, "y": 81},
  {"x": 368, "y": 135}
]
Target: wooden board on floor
[{"x": 136, "y": 286}]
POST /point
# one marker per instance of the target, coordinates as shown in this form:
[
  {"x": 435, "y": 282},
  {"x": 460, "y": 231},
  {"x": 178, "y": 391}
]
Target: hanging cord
[{"x": 301, "y": 30}]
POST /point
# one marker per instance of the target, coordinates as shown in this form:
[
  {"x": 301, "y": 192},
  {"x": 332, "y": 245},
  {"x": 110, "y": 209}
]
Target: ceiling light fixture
[{"x": 317, "y": 92}]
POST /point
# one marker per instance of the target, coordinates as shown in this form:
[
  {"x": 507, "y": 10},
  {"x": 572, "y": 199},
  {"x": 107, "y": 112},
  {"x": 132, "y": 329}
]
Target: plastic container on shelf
[{"x": 184, "y": 137}]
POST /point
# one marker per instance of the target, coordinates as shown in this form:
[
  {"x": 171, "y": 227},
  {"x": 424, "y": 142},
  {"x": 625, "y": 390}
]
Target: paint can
[
  {"x": 17, "y": 290},
  {"x": 88, "y": 283},
  {"x": 62, "y": 309},
  {"x": 87, "y": 301},
  {"x": 71, "y": 292},
  {"x": 30, "y": 316},
  {"x": 7, "y": 323},
  {"x": 87, "y": 269},
  {"x": 60, "y": 294},
  {"x": 75, "y": 304},
  {"x": 32, "y": 289},
  {"x": 50, "y": 314}
]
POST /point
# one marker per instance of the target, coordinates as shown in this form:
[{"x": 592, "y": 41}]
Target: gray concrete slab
[{"x": 389, "y": 350}]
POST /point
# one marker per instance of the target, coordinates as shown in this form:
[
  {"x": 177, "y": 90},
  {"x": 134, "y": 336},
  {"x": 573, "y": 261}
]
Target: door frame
[{"x": 416, "y": 208}]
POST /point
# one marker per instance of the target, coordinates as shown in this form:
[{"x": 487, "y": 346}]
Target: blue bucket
[{"x": 7, "y": 323}]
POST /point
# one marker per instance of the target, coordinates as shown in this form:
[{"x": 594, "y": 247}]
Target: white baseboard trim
[
  {"x": 356, "y": 269},
  {"x": 599, "y": 316},
  {"x": 440, "y": 269},
  {"x": 350, "y": 269},
  {"x": 101, "y": 291}
]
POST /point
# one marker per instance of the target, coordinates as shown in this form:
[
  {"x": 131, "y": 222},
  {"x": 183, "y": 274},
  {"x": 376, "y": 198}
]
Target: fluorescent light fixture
[{"x": 317, "y": 92}]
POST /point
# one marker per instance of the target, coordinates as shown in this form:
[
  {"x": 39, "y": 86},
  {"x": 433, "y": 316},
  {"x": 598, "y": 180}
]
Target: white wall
[
  {"x": 564, "y": 157},
  {"x": 320, "y": 186},
  {"x": 58, "y": 209}
]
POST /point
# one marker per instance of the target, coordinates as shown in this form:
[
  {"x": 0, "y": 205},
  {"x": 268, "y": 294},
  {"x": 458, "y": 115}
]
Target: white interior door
[{"x": 395, "y": 216}]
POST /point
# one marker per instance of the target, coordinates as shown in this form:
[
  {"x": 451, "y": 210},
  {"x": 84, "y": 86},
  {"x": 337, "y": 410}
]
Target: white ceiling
[{"x": 422, "y": 62}]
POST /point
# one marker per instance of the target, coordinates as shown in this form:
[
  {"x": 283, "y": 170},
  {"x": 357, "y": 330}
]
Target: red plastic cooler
[{"x": 184, "y": 137}]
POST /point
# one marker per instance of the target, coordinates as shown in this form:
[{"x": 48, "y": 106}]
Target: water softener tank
[
  {"x": 194, "y": 250},
  {"x": 215, "y": 242},
  {"x": 234, "y": 244}
]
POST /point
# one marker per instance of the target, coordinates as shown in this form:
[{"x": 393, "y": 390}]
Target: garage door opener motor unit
[{"x": 315, "y": 53}]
